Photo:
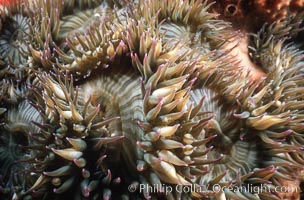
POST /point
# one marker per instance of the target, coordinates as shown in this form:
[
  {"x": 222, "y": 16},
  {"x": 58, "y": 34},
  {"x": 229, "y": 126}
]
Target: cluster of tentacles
[{"x": 98, "y": 98}]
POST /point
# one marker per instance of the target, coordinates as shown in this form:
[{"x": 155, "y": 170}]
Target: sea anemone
[
  {"x": 14, "y": 37},
  {"x": 15, "y": 30},
  {"x": 49, "y": 154},
  {"x": 110, "y": 96}
]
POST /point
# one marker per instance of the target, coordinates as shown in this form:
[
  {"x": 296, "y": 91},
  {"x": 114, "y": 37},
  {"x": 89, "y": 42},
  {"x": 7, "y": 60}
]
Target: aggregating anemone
[{"x": 102, "y": 96}]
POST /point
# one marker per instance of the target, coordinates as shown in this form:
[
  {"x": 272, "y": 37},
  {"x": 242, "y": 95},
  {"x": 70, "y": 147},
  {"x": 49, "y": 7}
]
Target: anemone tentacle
[{"x": 99, "y": 98}]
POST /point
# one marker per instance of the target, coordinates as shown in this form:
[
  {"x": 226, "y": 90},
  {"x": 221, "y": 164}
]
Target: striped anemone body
[{"x": 113, "y": 95}]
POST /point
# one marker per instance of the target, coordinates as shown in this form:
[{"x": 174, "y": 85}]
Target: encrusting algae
[{"x": 99, "y": 98}]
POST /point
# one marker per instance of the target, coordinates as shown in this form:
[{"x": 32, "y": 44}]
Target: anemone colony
[{"x": 100, "y": 96}]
